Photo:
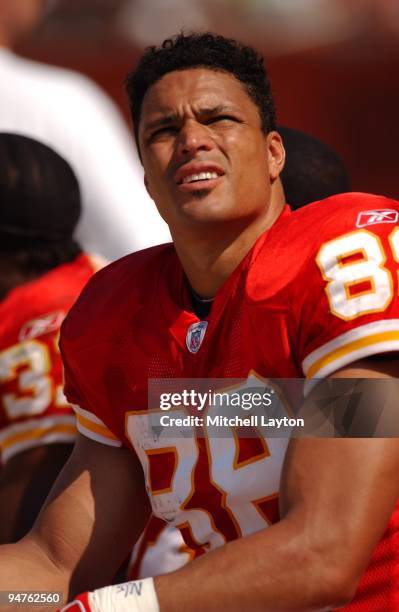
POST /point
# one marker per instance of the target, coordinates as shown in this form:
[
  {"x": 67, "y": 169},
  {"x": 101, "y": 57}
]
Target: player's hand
[
  {"x": 133, "y": 596},
  {"x": 80, "y": 604}
]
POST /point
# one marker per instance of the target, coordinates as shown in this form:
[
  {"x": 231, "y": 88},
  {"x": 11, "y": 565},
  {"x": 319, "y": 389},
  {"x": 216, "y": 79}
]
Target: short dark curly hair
[{"x": 202, "y": 49}]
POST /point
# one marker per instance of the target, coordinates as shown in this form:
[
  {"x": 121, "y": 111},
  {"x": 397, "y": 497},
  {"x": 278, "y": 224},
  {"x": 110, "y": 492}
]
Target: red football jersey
[
  {"x": 159, "y": 550},
  {"x": 33, "y": 408},
  {"x": 317, "y": 291}
]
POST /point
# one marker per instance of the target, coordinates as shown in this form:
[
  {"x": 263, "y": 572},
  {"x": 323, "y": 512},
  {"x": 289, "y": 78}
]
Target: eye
[
  {"x": 169, "y": 129},
  {"x": 219, "y": 118}
]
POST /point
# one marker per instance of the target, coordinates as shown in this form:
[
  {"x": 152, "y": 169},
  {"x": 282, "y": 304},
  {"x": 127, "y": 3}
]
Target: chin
[
  {"x": 200, "y": 213},
  {"x": 201, "y": 194}
]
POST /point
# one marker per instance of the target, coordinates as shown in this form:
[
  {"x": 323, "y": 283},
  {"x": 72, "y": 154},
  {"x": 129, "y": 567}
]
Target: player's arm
[
  {"x": 95, "y": 511},
  {"x": 25, "y": 482},
  {"x": 313, "y": 558}
]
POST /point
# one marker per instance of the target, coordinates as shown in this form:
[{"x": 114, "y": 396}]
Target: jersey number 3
[{"x": 29, "y": 365}]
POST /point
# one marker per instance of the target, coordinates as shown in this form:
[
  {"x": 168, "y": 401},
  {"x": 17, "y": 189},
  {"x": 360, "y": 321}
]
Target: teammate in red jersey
[
  {"x": 42, "y": 271},
  {"x": 309, "y": 293}
]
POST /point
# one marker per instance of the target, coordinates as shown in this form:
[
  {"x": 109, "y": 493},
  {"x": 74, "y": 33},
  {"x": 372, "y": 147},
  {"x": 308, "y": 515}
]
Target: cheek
[
  {"x": 156, "y": 164},
  {"x": 152, "y": 171},
  {"x": 252, "y": 167},
  {"x": 248, "y": 149}
]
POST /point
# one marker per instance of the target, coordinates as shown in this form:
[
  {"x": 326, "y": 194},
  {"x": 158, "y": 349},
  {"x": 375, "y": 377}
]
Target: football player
[
  {"x": 42, "y": 271},
  {"x": 312, "y": 171},
  {"x": 248, "y": 290}
]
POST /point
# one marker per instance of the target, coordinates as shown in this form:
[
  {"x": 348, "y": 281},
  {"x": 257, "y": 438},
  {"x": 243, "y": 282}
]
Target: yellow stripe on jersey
[
  {"x": 36, "y": 434},
  {"x": 102, "y": 430},
  {"x": 352, "y": 347}
]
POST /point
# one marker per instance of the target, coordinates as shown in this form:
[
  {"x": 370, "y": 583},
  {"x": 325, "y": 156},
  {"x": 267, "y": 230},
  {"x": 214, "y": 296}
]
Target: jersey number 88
[{"x": 357, "y": 281}]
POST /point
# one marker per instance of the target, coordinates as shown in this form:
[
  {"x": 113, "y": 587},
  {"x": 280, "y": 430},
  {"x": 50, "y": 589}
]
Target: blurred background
[{"x": 334, "y": 64}]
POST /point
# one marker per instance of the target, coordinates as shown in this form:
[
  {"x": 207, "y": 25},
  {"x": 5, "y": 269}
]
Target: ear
[{"x": 275, "y": 153}]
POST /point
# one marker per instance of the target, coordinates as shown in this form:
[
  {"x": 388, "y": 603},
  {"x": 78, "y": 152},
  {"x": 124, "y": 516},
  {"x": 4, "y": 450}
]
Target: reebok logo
[
  {"x": 39, "y": 327},
  {"x": 372, "y": 217}
]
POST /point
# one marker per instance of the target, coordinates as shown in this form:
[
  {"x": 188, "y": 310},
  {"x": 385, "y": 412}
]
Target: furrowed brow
[
  {"x": 161, "y": 121},
  {"x": 215, "y": 110},
  {"x": 170, "y": 118}
]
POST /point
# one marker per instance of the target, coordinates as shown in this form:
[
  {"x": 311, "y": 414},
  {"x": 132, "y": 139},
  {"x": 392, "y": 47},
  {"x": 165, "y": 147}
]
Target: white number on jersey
[{"x": 357, "y": 281}]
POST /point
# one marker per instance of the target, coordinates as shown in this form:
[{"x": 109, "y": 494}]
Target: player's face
[{"x": 205, "y": 157}]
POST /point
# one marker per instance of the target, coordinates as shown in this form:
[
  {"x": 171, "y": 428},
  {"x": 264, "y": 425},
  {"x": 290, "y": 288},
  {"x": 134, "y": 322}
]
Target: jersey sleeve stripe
[
  {"x": 33, "y": 433},
  {"x": 89, "y": 433},
  {"x": 87, "y": 415},
  {"x": 94, "y": 431},
  {"x": 373, "y": 338}
]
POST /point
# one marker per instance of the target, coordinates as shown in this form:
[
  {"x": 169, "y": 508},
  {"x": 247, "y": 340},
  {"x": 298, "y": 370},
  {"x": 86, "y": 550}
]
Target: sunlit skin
[{"x": 201, "y": 120}]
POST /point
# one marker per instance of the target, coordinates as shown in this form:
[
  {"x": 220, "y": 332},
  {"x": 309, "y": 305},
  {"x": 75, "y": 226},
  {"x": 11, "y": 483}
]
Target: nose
[{"x": 194, "y": 137}]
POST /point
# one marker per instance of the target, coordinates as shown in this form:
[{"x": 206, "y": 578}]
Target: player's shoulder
[
  {"x": 304, "y": 230},
  {"x": 39, "y": 306},
  {"x": 133, "y": 267},
  {"x": 61, "y": 284},
  {"x": 345, "y": 212},
  {"x": 294, "y": 241},
  {"x": 113, "y": 295}
]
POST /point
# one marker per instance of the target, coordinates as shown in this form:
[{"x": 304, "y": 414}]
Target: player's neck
[{"x": 210, "y": 257}]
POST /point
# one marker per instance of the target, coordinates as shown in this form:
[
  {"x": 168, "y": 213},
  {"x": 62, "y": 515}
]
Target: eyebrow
[
  {"x": 164, "y": 120},
  {"x": 174, "y": 117}
]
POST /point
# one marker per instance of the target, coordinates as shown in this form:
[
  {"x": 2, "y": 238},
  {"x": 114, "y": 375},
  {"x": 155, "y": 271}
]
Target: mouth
[{"x": 199, "y": 175}]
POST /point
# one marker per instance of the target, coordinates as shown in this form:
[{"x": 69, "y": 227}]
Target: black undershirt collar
[{"x": 201, "y": 306}]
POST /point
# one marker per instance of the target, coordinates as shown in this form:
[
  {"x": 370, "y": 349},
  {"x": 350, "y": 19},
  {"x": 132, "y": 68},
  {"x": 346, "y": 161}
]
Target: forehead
[{"x": 197, "y": 88}]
